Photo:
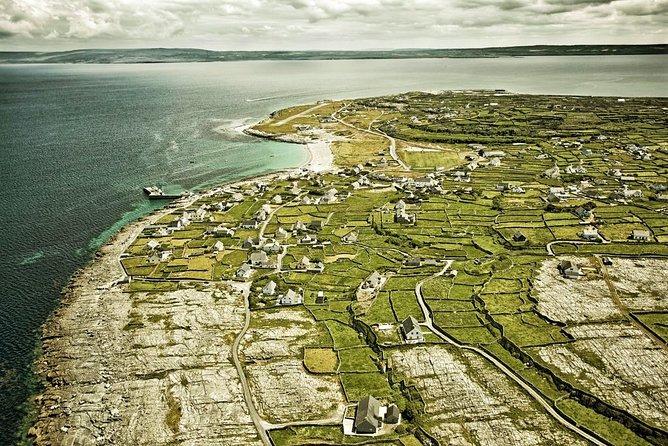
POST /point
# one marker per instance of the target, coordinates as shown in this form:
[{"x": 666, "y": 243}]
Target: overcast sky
[{"x": 326, "y": 24}]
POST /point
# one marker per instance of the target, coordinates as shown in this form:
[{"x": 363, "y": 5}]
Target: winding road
[
  {"x": 429, "y": 323},
  {"x": 255, "y": 416},
  {"x": 573, "y": 242},
  {"x": 393, "y": 142}
]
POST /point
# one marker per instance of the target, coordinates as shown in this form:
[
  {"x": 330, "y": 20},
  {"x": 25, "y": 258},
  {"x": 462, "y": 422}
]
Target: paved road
[
  {"x": 393, "y": 150},
  {"x": 257, "y": 419},
  {"x": 502, "y": 367},
  {"x": 573, "y": 242}
]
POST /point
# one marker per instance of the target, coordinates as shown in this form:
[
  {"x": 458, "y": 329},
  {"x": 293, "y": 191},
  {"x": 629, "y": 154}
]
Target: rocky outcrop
[{"x": 141, "y": 368}]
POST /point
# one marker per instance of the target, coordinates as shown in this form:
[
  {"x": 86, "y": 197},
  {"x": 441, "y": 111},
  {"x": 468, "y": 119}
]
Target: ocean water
[{"x": 78, "y": 143}]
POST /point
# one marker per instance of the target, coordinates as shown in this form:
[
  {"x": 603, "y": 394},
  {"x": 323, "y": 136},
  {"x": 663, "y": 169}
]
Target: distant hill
[{"x": 173, "y": 55}]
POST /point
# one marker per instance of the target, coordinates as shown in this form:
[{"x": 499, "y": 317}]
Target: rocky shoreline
[
  {"x": 97, "y": 373},
  {"x": 95, "y": 369}
]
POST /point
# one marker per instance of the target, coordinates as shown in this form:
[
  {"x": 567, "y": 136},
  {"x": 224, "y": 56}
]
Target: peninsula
[{"x": 452, "y": 268}]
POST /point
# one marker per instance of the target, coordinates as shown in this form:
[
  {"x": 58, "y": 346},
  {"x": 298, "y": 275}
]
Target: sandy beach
[
  {"x": 321, "y": 158},
  {"x": 317, "y": 142}
]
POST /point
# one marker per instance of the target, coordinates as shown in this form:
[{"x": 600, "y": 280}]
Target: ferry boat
[{"x": 155, "y": 193}]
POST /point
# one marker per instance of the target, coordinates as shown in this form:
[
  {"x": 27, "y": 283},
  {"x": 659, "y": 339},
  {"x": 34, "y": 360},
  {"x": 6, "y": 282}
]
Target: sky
[{"x": 52, "y": 25}]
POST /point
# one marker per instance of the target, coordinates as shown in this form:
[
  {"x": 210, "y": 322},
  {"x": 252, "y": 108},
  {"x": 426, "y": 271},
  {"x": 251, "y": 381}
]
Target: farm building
[
  {"x": 569, "y": 269},
  {"x": 373, "y": 281},
  {"x": 367, "y": 416},
  {"x": 519, "y": 237},
  {"x": 640, "y": 235},
  {"x": 269, "y": 289},
  {"x": 291, "y": 298},
  {"x": 244, "y": 272},
  {"x": 392, "y": 415},
  {"x": 411, "y": 330}
]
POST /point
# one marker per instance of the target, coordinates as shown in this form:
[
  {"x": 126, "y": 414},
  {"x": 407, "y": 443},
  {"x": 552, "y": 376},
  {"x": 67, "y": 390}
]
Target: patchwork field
[{"x": 492, "y": 263}]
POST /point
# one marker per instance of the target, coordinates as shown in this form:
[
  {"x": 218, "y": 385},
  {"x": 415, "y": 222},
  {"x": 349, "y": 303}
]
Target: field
[{"x": 476, "y": 199}]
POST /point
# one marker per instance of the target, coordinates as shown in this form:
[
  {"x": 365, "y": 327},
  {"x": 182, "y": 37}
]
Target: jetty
[{"x": 155, "y": 193}]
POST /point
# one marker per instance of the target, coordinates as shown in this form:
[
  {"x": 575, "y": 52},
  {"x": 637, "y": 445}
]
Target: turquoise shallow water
[{"x": 78, "y": 142}]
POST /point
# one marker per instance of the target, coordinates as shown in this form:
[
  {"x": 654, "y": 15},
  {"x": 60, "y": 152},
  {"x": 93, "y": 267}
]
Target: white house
[
  {"x": 250, "y": 224},
  {"x": 552, "y": 172},
  {"x": 425, "y": 182},
  {"x": 218, "y": 246},
  {"x": 261, "y": 215},
  {"x": 590, "y": 233},
  {"x": 291, "y": 298},
  {"x": 245, "y": 271},
  {"x": 317, "y": 266},
  {"x": 350, "y": 237},
  {"x": 330, "y": 196},
  {"x": 402, "y": 217},
  {"x": 259, "y": 259},
  {"x": 640, "y": 235},
  {"x": 183, "y": 221},
  {"x": 223, "y": 231},
  {"x": 308, "y": 240},
  {"x": 411, "y": 330},
  {"x": 281, "y": 233},
  {"x": 299, "y": 226},
  {"x": 269, "y": 289},
  {"x": 304, "y": 263},
  {"x": 491, "y": 153},
  {"x": 272, "y": 246}
]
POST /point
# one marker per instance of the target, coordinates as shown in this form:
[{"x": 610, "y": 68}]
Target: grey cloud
[
  {"x": 579, "y": 2},
  {"x": 642, "y": 8},
  {"x": 303, "y": 24}
]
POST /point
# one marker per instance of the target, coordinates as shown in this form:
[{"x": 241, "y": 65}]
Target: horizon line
[{"x": 333, "y": 50}]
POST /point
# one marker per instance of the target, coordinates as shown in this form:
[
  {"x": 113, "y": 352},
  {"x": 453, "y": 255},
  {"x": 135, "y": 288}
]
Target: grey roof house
[
  {"x": 367, "y": 416},
  {"x": 569, "y": 270},
  {"x": 392, "y": 415},
  {"x": 411, "y": 330}
]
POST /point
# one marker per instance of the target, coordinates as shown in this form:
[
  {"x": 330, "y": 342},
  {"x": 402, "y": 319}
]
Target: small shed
[{"x": 392, "y": 415}]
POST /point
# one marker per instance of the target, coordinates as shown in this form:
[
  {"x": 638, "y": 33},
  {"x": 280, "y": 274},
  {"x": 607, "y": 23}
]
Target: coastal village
[{"x": 472, "y": 268}]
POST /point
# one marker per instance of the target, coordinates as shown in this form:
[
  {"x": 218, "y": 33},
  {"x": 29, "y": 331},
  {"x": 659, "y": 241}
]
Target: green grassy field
[{"x": 486, "y": 298}]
